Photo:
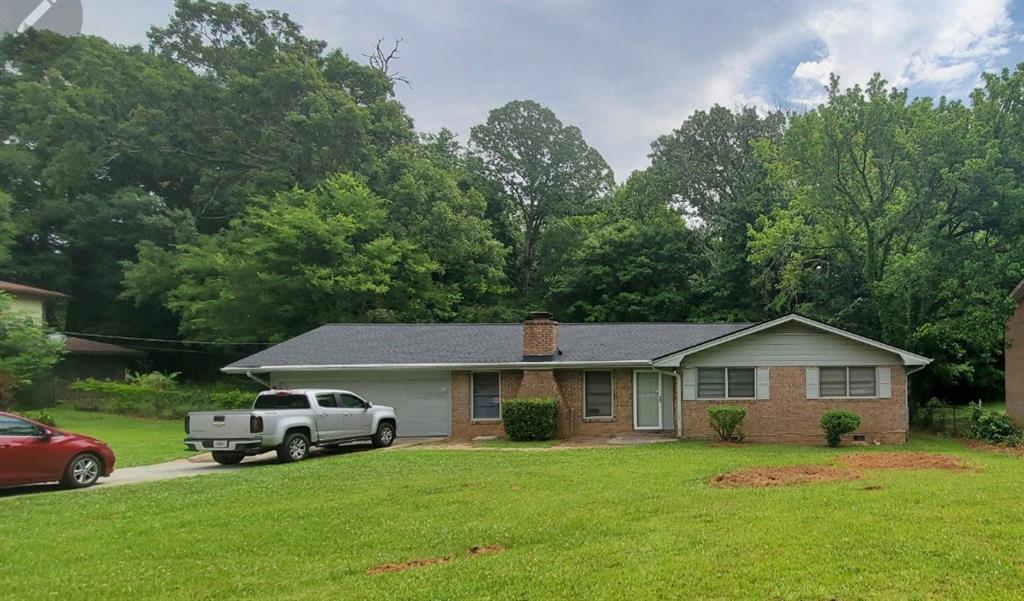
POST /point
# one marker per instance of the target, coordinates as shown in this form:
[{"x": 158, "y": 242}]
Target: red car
[{"x": 31, "y": 452}]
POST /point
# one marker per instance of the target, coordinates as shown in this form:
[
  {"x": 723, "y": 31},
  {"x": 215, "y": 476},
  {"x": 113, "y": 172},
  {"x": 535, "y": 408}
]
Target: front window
[
  {"x": 847, "y": 382},
  {"x": 486, "y": 395},
  {"x": 597, "y": 394},
  {"x": 726, "y": 383}
]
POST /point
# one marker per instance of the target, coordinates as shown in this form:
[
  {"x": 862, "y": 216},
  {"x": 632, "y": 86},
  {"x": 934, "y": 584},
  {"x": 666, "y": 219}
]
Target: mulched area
[
  {"x": 763, "y": 477},
  {"x": 904, "y": 461},
  {"x": 849, "y": 469}
]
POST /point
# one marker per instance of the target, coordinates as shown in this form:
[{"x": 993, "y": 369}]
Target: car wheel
[
  {"x": 385, "y": 435},
  {"x": 294, "y": 448},
  {"x": 82, "y": 471},
  {"x": 228, "y": 457}
]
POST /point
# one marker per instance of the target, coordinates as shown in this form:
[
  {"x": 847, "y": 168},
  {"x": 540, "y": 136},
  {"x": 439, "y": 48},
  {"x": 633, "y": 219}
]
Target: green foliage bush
[
  {"x": 837, "y": 423},
  {"x": 994, "y": 427},
  {"x": 530, "y": 418},
  {"x": 148, "y": 400},
  {"x": 728, "y": 422},
  {"x": 42, "y": 416}
]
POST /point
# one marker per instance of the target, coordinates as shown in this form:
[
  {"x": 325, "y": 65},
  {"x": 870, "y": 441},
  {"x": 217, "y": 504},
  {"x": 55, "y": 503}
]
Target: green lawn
[
  {"x": 612, "y": 523},
  {"x": 136, "y": 441}
]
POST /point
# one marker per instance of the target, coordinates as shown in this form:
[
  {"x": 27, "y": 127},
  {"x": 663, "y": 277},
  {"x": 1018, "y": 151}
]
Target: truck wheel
[
  {"x": 294, "y": 448},
  {"x": 82, "y": 471},
  {"x": 385, "y": 435},
  {"x": 228, "y": 457}
]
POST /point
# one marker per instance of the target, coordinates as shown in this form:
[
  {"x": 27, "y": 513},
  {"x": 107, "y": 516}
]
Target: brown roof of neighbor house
[
  {"x": 92, "y": 347},
  {"x": 23, "y": 290},
  {"x": 1018, "y": 292}
]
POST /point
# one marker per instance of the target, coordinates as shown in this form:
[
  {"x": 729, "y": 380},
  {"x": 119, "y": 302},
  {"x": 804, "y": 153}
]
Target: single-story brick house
[
  {"x": 1014, "y": 367},
  {"x": 610, "y": 378}
]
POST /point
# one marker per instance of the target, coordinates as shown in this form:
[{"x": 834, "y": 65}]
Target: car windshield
[{"x": 281, "y": 401}]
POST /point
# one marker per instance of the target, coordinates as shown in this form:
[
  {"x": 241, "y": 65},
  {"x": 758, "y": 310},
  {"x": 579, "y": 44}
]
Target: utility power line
[{"x": 168, "y": 340}]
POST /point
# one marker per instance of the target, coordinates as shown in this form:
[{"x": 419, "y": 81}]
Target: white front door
[{"x": 647, "y": 400}]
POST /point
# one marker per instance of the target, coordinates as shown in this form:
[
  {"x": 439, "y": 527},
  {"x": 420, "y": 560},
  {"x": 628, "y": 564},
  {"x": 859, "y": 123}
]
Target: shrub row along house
[{"x": 609, "y": 379}]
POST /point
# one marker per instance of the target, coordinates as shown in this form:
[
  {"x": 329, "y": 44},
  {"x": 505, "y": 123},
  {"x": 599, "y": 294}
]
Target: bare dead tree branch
[{"x": 381, "y": 61}]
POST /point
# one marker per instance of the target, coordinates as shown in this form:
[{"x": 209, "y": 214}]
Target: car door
[
  {"x": 23, "y": 453},
  {"x": 357, "y": 414},
  {"x": 330, "y": 419}
]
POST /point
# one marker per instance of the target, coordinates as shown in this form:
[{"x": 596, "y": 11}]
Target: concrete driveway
[{"x": 204, "y": 464}]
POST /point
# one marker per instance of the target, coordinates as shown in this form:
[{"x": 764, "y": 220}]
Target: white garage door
[{"x": 422, "y": 400}]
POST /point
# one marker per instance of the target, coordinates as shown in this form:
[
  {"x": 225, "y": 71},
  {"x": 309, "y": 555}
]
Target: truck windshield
[{"x": 281, "y": 401}]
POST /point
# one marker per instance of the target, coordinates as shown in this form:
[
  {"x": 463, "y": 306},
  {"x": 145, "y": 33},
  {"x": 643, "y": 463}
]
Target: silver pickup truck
[{"x": 290, "y": 421}]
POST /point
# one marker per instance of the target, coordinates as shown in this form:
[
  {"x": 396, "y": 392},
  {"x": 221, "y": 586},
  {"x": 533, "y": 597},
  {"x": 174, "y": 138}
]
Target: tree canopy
[{"x": 238, "y": 181}]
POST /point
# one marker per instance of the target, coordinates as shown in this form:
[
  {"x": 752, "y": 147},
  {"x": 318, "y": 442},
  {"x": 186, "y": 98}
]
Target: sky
[{"x": 628, "y": 72}]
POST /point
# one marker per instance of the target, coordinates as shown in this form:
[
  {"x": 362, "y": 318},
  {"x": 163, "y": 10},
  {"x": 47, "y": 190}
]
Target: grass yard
[
  {"x": 612, "y": 523},
  {"x": 136, "y": 441}
]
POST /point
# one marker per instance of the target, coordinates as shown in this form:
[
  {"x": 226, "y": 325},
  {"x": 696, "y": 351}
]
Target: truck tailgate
[{"x": 219, "y": 424}]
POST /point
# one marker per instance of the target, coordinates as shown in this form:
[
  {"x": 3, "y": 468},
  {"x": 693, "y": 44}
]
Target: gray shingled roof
[{"x": 377, "y": 344}]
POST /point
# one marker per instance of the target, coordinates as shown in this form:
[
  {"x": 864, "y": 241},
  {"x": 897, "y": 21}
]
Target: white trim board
[{"x": 676, "y": 358}]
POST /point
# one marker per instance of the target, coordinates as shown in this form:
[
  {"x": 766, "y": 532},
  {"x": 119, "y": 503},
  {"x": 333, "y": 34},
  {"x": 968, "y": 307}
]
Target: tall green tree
[
  {"x": 897, "y": 225},
  {"x": 547, "y": 169},
  {"x": 709, "y": 168},
  {"x": 427, "y": 206},
  {"x": 105, "y": 145},
  {"x": 295, "y": 261},
  {"x": 630, "y": 270}
]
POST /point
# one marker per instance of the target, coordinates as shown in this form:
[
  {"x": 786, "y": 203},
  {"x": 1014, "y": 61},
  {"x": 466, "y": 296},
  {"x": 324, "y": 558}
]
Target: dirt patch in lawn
[
  {"x": 388, "y": 568},
  {"x": 486, "y": 550},
  {"x": 763, "y": 477},
  {"x": 905, "y": 461}
]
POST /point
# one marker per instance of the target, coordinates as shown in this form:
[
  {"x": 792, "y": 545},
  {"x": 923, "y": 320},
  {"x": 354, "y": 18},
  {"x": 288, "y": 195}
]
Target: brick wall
[
  {"x": 564, "y": 384},
  {"x": 465, "y": 428},
  {"x": 789, "y": 416},
  {"x": 1015, "y": 365}
]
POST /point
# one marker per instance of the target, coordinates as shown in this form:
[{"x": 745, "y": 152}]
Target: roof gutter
[{"x": 435, "y": 366}]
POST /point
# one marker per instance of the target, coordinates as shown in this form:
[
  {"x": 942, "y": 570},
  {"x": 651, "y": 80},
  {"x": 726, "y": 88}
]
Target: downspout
[{"x": 257, "y": 379}]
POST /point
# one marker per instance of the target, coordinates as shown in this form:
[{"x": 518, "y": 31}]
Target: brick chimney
[{"x": 540, "y": 337}]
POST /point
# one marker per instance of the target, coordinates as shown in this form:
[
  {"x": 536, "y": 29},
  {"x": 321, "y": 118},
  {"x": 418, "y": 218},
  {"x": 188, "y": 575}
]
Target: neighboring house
[
  {"x": 82, "y": 358},
  {"x": 613, "y": 378},
  {"x": 28, "y": 300},
  {"x": 1014, "y": 367},
  {"x": 91, "y": 359}
]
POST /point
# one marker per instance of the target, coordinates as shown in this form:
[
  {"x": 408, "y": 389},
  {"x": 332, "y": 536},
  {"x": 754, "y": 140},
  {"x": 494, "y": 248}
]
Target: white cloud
[{"x": 943, "y": 44}]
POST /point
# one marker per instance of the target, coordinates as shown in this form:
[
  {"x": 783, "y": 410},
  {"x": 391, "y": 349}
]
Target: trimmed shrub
[
  {"x": 837, "y": 423},
  {"x": 728, "y": 422},
  {"x": 993, "y": 427},
  {"x": 530, "y": 418},
  {"x": 148, "y": 400}
]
